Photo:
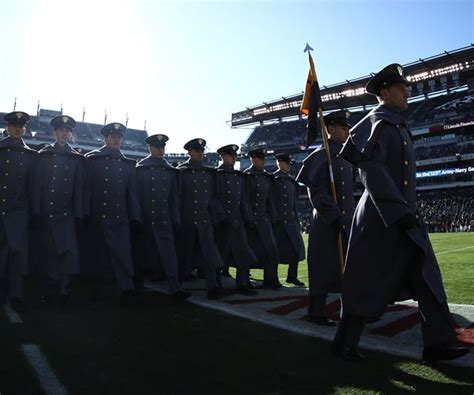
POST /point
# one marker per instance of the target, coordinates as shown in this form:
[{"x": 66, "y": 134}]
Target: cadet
[
  {"x": 196, "y": 244},
  {"x": 230, "y": 229},
  {"x": 59, "y": 178},
  {"x": 389, "y": 249},
  {"x": 260, "y": 187},
  {"x": 158, "y": 194},
  {"x": 287, "y": 228},
  {"x": 111, "y": 202},
  {"x": 16, "y": 175},
  {"x": 329, "y": 218}
]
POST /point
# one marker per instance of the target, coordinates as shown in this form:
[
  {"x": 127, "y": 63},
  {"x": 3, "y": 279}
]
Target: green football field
[
  {"x": 181, "y": 348},
  {"x": 455, "y": 254}
]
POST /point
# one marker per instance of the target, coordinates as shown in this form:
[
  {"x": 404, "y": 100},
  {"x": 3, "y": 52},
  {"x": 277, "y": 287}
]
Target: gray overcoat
[
  {"x": 379, "y": 252},
  {"x": 323, "y": 256}
]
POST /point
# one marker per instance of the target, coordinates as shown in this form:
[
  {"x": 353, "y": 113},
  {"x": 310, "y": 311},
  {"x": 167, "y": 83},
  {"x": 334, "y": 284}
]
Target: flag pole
[{"x": 329, "y": 159}]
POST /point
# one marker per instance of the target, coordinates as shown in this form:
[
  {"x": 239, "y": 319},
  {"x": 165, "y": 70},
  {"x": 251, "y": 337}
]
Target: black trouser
[
  {"x": 437, "y": 324},
  {"x": 292, "y": 270},
  {"x": 11, "y": 283},
  {"x": 317, "y": 305}
]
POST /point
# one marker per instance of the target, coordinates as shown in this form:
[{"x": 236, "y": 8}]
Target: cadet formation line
[{"x": 150, "y": 216}]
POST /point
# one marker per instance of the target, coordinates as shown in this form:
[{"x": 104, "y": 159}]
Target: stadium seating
[{"x": 447, "y": 210}]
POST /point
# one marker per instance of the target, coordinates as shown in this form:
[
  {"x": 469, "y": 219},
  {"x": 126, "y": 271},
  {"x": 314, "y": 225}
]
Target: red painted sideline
[
  {"x": 288, "y": 308},
  {"x": 466, "y": 336},
  {"x": 397, "y": 326},
  {"x": 259, "y": 300}
]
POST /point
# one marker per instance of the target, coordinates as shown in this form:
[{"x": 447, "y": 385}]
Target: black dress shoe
[
  {"x": 324, "y": 321},
  {"x": 347, "y": 353},
  {"x": 181, "y": 295},
  {"x": 295, "y": 281},
  {"x": 246, "y": 291},
  {"x": 443, "y": 353},
  {"x": 18, "y": 305},
  {"x": 217, "y": 293},
  {"x": 272, "y": 284}
]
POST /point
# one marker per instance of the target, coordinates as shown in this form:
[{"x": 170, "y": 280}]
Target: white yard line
[
  {"x": 46, "y": 376},
  {"x": 457, "y": 249},
  {"x": 12, "y": 315}
]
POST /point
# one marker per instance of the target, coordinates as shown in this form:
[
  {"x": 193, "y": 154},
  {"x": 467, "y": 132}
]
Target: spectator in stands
[{"x": 444, "y": 211}]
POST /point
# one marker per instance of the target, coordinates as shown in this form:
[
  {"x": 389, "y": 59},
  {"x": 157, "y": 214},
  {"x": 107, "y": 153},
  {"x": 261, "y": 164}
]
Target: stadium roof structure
[{"x": 443, "y": 72}]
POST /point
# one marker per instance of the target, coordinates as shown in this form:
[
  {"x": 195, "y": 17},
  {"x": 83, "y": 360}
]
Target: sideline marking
[
  {"x": 457, "y": 249},
  {"x": 12, "y": 315},
  {"x": 48, "y": 380},
  {"x": 368, "y": 341}
]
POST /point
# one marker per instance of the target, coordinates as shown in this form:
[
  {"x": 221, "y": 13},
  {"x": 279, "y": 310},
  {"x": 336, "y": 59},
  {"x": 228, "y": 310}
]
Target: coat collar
[
  {"x": 150, "y": 161},
  {"x": 104, "y": 151},
  {"x": 7, "y": 142}
]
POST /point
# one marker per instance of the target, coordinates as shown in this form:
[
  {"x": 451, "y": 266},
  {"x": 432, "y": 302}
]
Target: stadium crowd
[{"x": 448, "y": 210}]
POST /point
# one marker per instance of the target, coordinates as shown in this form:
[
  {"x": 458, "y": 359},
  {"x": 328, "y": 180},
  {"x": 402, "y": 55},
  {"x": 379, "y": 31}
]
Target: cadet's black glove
[
  {"x": 337, "y": 225},
  {"x": 408, "y": 221},
  {"x": 35, "y": 222},
  {"x": 136, "y": 227}
]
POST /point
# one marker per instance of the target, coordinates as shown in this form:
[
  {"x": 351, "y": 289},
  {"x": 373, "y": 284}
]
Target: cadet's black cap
[
  {"x": 16, "y": 118},
  {"x": 195, "y": 144},
  {"x": 228, "y": 149},
  {"x": 337, "y": 118},
  {"x": 283, "y": 156},
  {"x": 157, "y": 140},
  {"x": 63, "y": 121},
  {"x": 115, "y": 127},
  {"x": 389, "y": 75},
  {"x": 257, "y": 153}
]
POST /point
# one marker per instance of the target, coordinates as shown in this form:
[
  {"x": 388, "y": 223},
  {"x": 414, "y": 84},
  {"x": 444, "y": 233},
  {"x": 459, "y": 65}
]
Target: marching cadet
[
  {"x": 196, "y": 244},
  {"x": 111, "y": 203},
  {"x": 233, "y": 212},
  {"x": 329, "y": 218},
  {"x": 390, "y": 254},
  {"x": 16, "y": 175},
  {"x": 158, "y": 194},
  {"x": 287, "y": 228},
  {"x": 58, "y": 181},
  {"x": 259, "y": 187}
]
